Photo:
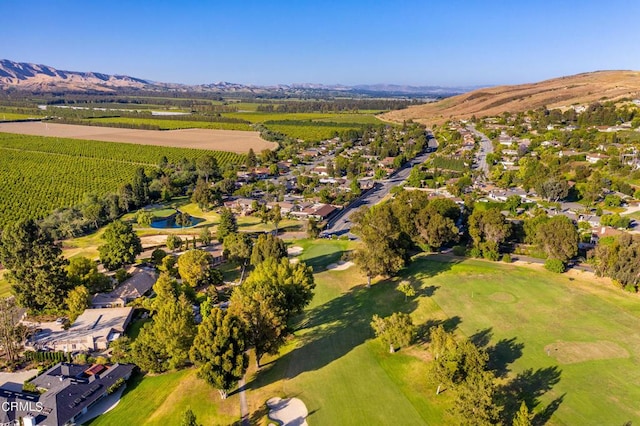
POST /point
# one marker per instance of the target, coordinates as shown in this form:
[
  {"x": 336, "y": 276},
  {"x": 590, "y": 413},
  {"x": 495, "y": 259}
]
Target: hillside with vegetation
[{"x": 555, "y": 93}]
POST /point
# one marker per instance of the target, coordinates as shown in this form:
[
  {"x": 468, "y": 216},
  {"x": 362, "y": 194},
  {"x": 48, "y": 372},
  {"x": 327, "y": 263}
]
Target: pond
[{"x": 170, "y": 223}]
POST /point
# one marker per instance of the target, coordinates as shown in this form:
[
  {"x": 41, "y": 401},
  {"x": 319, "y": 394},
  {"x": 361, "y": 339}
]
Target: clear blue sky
[{"x": 348, "y": 42}]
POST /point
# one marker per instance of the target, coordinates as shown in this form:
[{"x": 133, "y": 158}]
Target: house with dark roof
[
  {"x": 68, "y": 391},
  {"x": 140, "y": 283}
]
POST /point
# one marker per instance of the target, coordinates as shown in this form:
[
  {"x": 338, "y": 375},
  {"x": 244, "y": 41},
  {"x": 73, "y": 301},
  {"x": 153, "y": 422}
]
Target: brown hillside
[{"x": 556, "y": 93}]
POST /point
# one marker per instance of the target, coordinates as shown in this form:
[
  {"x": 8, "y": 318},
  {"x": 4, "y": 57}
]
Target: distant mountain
[
  {"x": 44, "y": 79},
  {"x": 555, "y": 93}
]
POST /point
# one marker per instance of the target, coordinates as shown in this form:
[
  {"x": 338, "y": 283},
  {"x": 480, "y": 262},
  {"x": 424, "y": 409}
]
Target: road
[
  {"x": 486, "y": 147},
  {"x": 341, "y": 223}
]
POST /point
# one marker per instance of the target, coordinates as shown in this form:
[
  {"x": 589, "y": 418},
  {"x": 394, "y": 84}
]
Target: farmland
[
  {"x": 216, "y": 140},
  {"x": 160, "y": 124},
  {"x": 41, "y": 174}
]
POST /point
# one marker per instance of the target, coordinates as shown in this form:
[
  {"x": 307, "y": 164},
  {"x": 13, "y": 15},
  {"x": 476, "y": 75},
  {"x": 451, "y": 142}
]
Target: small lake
[{"x": 170, "y": 223}]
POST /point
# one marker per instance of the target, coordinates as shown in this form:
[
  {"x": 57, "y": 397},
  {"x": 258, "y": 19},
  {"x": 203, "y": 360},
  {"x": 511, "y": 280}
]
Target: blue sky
[{"x": 450, "y": 43}]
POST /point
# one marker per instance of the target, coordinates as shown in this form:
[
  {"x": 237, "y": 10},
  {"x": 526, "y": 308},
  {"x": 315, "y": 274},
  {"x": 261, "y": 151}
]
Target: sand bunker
[
  {"x": 574, "y": 352},
  {"x": 289, "y": 412},
  {"x": 340, "y": 266},
  {"x": 294, "y": 251}
]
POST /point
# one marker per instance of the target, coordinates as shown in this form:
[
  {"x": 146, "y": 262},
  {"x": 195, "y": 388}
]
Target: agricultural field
[
  {"x": 41, "y": 174},
  {"x": 10, "y": 116},
  {"x": 307, "y": 131},
  {"x": 575, "y": 366},
  {"x": 200, "y": 139},
  {"x": 168, "y": 124}
]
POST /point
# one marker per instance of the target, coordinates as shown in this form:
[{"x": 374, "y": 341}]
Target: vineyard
[
  {"x": 40, "y": 174},
  {"x": 164, "y": 124}
]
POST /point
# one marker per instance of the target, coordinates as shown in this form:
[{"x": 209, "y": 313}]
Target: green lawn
[
  {"x": 571, "y": 340},
  {"x": 161, "y": 400},
  {"x": 5, "y": 287}
]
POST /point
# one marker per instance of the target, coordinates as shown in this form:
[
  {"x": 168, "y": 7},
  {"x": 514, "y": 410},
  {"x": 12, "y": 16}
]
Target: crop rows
[
  {"x": 167, "y": 124},
  {"x": 309, "y": 131},
  {"x": 40, "y": 174}
]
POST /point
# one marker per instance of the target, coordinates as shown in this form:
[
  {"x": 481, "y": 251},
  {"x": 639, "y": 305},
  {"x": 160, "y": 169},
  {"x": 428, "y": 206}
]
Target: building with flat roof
[{"x": 91, "y": 331}]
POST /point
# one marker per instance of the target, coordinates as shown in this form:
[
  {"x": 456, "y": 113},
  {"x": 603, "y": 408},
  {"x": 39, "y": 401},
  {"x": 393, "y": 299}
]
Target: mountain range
[{"x": 36, "y": 78}]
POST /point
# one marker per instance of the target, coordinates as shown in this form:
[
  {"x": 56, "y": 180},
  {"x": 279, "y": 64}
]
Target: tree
[
  {"x": 384, "y": 245},
  {"x": 558, "y": 237},
  {"x": 620, "y": 260},
  {"x": 12, "y": 332},
  {"x": 295, "y": 280},
  {"x": 93, "y": 209},
  {"x": 396, "y": 330},
  {"x": 205, "y": 236},
  {"x": 207, "y": 167},
  {"x": 219, "y": 351},
  {"x": 144, "y": 218},
  {"x": 83, "y": 271},
  {"x": 407, "y": 289},
  {"x": 276, "y": 216},
  {"x": 173, "y": 242},
  {"x": 189, "y": 419},
  {"x": 313, "y": 230},
  {"x": 35, "y": 266},
  {"x": 164, "y": 343},
  {"x": 121, "y": 247},
  {"x": 523, "y": 416},
  {"x": 488, "y": 229},
  {"x": 126, "y": 197},
  {"x": 435, "y": 229},
  {"x": 205, "y": 196},
  {"x": 183, "y": 219},
  {"x": 267, "y": 246},
  {"x": 78, "y": 300},
  {"x": 355, "y": 188},
  {"x": 260, "y": 305},
  {"x": 238, "y": 247},
  {"x": 194, "y": 267},
  {"x": 227, "y": 225},
  {"x": 272, "y": 294},
  {"x": 553, "y": 189},
  {"x": 140, "y": 188},
  {"x": 251, "y": 160}
]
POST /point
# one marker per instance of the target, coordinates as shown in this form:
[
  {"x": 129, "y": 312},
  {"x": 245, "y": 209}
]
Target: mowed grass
[
  {"x": 574, "y": 329},
  {"x": 162, "y": 400},
  {"x": 11, "y": 116},
  {"x": 5, "y": 287},
  {"x": 346, "y": 377}
]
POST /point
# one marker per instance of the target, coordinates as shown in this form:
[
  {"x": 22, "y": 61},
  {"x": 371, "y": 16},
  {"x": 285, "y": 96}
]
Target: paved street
[
  {"x": 341, "y": 223},
  {"x": 486, "y": 147}
]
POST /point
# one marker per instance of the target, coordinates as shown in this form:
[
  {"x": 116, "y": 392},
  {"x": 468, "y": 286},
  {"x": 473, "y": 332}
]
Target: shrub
[
  {"x": 491, "y": 255},
  {"x": 475, "y": 252},
  {"x": 554, "y": 265},
  {"x": 506, "y": 258},
  {"x": 459, "y": 250},
  {"x": 121, "y": 275},
  {"x": 157, "y": 256}
]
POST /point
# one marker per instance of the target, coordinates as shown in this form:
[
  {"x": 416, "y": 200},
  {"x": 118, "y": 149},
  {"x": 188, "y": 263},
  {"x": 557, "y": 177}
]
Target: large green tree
[
  {"x": 396, "y": 330},
  {"x": 36, "y": 267},
  {"x": 207, "y": 167},
  {"x": 164, "y": 343},
  {"x": 219, "y": 351},
  {"x": 620, "y": 260},
  {"x": 267, "y": 246},
  {"x": 78, "y": 300},
  {"x": 384, "y": 248},
  {"x": 237, "y": 247},
  {"x": 488, "y": 229},
  {"x": 121, "y": 247},
  {"x": 12, "y": 332},
  {"x": 271, "y": 295},
  {"x": 83, "y": 271},
  {"x": 227, "y": 225},
  {"x": 558, "y": 237},
  {"x": 195, "y": 267},
  {"x": 435, "y": 229}
]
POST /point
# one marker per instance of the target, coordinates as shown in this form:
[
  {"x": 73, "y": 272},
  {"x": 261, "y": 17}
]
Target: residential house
[
  {"x": 140, "y": 283},
  {"x": 68, "y": 392}
]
